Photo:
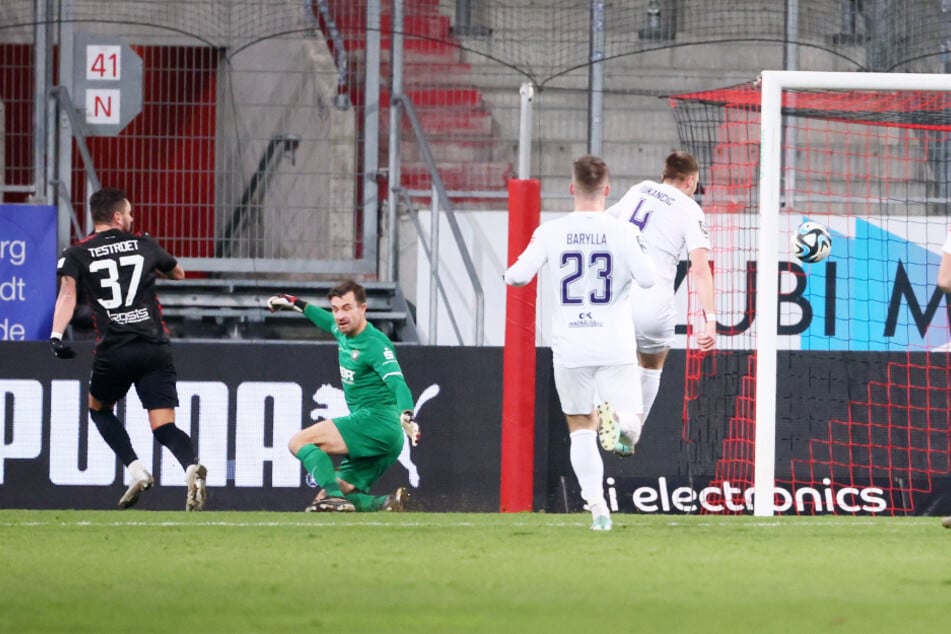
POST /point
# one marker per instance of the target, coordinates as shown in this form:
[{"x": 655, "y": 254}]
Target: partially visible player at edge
[
  {"x": 116, "y": 270},
  {"x": 944, "y": 271},
  {"x": 669, "y": 220},
  {"x": 370, "y": 438},
  {"x": 593, "y": 260},
  {"x": 944, "y": 283}
]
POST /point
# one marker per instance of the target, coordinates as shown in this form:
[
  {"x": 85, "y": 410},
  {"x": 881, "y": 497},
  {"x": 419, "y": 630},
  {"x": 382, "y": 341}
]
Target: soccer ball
[{"x": 812, "y": 242}]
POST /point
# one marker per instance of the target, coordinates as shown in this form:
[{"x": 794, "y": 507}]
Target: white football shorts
[
  {"x": 619, "y": 385},
  {"x": 653, "y": 313}
]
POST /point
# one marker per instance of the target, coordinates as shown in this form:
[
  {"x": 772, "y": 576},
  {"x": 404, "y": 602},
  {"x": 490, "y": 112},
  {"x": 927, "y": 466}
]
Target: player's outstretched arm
[{"x": 320, "y": 317}]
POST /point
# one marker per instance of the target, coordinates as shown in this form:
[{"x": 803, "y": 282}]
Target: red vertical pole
[{"x": 518, "y": 371}]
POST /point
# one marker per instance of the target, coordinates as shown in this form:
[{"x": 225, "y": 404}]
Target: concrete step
[
  {"x": 412, "y": 55},
  {"x": 427, "y": 34},
  {"x": 626, "y": 160},
  {"x": 565, "y": 115},
  {"x": 448, "y": 151},
  {"x": 429, "y": 97},
  {"x": 443, "y": 123},
  {"x": 417, "y": 64},
  {"x": 418, "y": 50},
  {"x": 432, "y": 74},
  {"x": 346, "y": 10},
  {"x": 434, "y": 27},
  {"x": 425, "y": 99},
  {"x": 651, "y": 73},
  {"x": 426, "y": 26},
  {"x": 459, "y": 176}
]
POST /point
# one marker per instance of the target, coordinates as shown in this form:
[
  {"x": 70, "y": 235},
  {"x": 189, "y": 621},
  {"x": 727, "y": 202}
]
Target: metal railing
[
  {"x": 445, "y": 204},
  {"x": 342, "y": 99},
  {"x": 273, "y": 154},
  {"x": 78, "y": 130},
  {"x": 407, "y": 201}
]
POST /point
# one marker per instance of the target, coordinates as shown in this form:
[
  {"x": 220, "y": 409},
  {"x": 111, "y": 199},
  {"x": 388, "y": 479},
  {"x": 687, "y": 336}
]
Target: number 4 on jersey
[{"x": 639, "y": 218}]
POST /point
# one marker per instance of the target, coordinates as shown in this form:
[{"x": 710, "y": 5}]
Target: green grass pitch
[{"x": 83, "y": 571}]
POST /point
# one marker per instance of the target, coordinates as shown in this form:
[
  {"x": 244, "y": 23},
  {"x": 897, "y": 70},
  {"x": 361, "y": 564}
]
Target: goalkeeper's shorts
[{"x": 374, "y": 440}]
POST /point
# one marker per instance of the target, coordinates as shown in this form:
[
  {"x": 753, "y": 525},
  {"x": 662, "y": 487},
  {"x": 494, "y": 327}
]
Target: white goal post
[{"x": 773, "y": 83}]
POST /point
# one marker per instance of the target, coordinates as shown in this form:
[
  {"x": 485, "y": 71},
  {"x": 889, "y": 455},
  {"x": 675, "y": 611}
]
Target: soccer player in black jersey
[{"x": 116, "y": 271}]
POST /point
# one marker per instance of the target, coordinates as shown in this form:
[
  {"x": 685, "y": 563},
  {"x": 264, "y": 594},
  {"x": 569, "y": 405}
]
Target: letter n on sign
[{"x": 102, "y": 106}]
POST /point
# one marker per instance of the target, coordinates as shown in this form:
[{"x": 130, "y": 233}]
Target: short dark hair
[
  {"x": 347, "y": 286},
  {"x": 104, "y": 203},
  {"x": 679, "y": 165},
  {"x": 590, "y": 173}
]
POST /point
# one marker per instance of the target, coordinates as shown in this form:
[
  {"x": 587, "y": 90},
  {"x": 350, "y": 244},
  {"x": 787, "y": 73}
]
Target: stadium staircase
[{"x": 453, "y": 111}]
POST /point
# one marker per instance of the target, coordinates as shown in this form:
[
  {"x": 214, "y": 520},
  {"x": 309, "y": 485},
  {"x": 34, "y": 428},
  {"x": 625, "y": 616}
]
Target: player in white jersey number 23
[{"x": 594, "y": 261}]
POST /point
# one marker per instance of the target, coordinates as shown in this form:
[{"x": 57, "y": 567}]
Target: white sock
[
  {"x": 137, "y": 470},
  {"x": 631, "y": 425},
  {"x": 650, "y": 384},
  {"x": 588, "y": 466}
]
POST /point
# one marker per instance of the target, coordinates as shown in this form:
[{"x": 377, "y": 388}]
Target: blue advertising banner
[
  {"x": 27, "y": 271},
  {"x": 881, "y": 294}
]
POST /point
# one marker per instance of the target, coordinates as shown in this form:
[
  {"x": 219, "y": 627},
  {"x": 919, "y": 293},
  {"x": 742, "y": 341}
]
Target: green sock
[
  {"x": 319, "y": 465},
  {"x": 365, "y": 503}
]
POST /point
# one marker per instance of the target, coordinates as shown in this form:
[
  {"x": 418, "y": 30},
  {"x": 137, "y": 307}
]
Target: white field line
[
  {"x": 621, "y": 520},
  {"x": 289, "y": 524}
]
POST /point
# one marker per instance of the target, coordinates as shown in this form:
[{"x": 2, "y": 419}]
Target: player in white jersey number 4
[
  {"x": 593, "y": 260},
  {"x": 670, "y": 221}
]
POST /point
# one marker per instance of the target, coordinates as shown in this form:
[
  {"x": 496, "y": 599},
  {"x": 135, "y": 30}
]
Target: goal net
[{"x": 830, "y": 391}]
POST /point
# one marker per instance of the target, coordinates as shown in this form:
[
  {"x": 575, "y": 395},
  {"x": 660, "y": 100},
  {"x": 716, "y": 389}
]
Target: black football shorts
[{"x": 146, "y": 365}]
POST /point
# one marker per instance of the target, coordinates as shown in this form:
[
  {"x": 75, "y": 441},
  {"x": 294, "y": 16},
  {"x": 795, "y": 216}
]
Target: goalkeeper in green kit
[{"x": 371, "y": 437}]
